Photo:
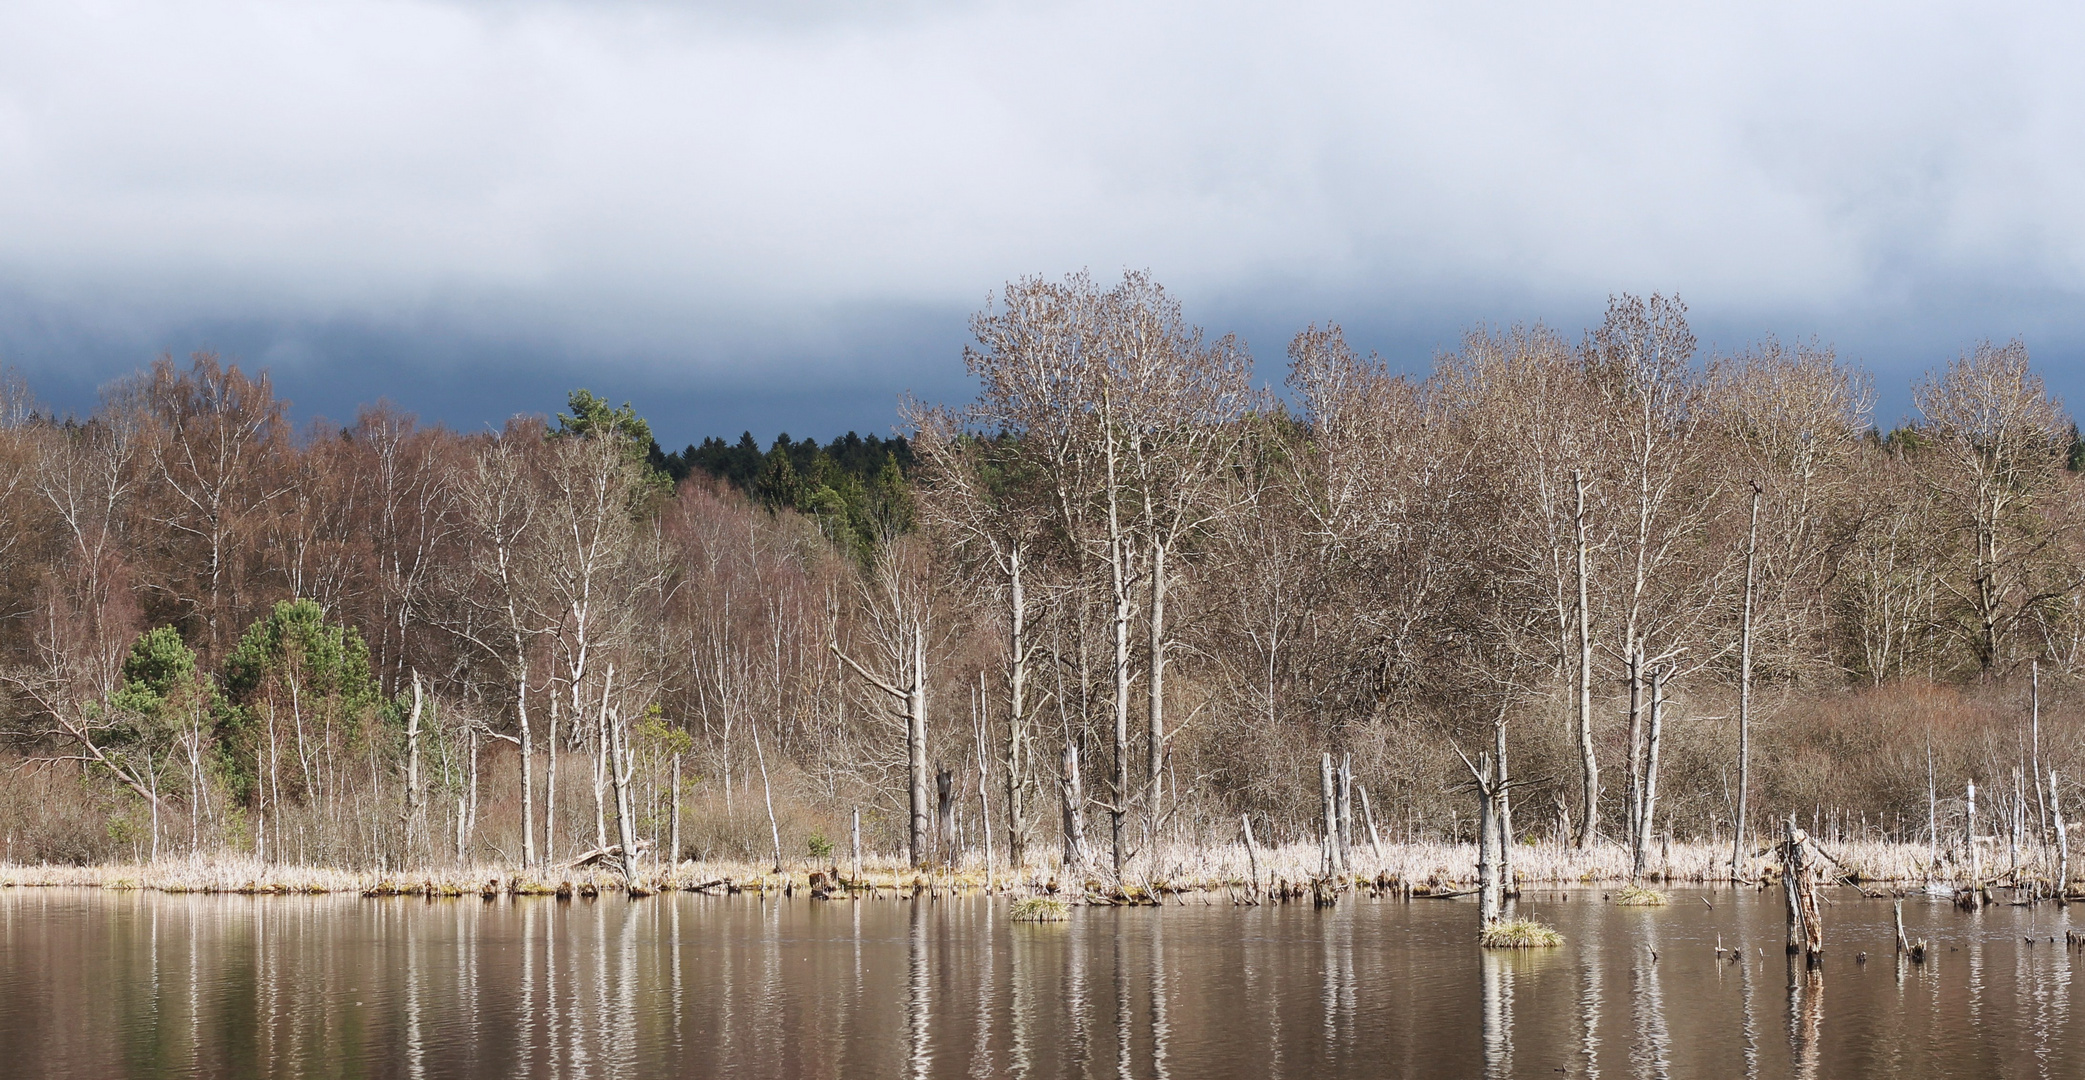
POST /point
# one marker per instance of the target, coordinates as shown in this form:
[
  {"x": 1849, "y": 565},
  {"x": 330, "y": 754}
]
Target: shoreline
[{"x": 1417, "y": 870}]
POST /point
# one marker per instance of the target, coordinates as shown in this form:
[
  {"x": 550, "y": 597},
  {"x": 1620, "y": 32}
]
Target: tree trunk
[
  {"x": 916, "y": 744},
  {"x": 1328, "y": 800},
  {"x": 984, "y": 806},
  {"x": 1589, "y": 827},
  {"x": 1346, "y": 813},
  {"x": 1375, "y": 842},
  {"x": 1118, "y": 570},
  {"x": 528, "y": 767},
  {"x": 1501, "y": 803},
  {"x": 1744, "y": 737},
  {"x": 945, "y": 816},
  {"x": 1634, "y": 796},
  {"x": 1976, "y": 857},
  {"x": 1252, "y": 858},
  {"x": 411, "y": 817},
  {"x": 673, "y": 857},
  {"x": 1156, "y": 675},
  {"x": 1073, "y": 794},
  {"x": 767, "y": 793},
  {"x": 2041, "y": 801},
  {"x": 1649, "y": 796},
  {"x": 550, "y": 782},
  {"x": 1018, "y": 750},
  {"x": 2063, "y": 842},
  {"x": 1488, "y": 846}
]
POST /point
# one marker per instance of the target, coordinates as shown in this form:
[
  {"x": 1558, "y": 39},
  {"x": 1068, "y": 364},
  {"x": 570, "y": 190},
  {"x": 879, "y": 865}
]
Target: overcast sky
[{"x": 782, "y": 220}]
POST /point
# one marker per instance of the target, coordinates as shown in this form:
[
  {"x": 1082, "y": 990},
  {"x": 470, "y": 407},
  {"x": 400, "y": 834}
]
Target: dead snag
[{"x": 1798, "y": 877}]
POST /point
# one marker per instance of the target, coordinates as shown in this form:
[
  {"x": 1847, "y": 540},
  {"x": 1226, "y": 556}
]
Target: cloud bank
[{"x": 800, "y": 205}]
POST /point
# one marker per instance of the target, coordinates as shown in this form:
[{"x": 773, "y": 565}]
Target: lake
[{"x": 102, "y": 984}]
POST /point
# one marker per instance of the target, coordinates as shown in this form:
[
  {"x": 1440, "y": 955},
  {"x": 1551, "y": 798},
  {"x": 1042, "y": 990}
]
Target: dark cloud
[{"x": 776, "y": 216}]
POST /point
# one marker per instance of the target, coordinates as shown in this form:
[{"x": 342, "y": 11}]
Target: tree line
[{"x": 1122, "y": 596}]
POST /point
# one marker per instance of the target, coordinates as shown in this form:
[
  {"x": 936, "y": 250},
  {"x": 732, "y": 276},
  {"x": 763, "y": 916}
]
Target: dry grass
[
  {"x": 1174, "y": 867},
  {"x": 1638, "y": 896},
  {"x": 1040, "y": 909},
  {"x": 1519, "y": 934}
]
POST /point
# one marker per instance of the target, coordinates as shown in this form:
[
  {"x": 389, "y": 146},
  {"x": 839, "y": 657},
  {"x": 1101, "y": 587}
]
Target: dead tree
[
  {"x": 1589, "y": 766},
  {"x": 1328, "y": 801},
  {"x": 1744, "y": 737},
  {"x": 1805, "y": 923},
  {"x": 1490, "y": 883},
  {"x": 412, "y": 817},
  {"x": 1072, "y": 792},
  {"x": 2063, "y": 842},
  {"x": 945, "y": 813},
  {"x": 1645, "y": 812},
  {"x": 909, "y": 690},
  {"x": 1252, "y": 860}
]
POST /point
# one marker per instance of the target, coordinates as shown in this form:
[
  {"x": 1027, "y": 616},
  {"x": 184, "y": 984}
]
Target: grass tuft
[
  {"x": 1519, "y": 934},
  {"x": 1041, "y": 909},
  {"x": 1638, "y": 896}
]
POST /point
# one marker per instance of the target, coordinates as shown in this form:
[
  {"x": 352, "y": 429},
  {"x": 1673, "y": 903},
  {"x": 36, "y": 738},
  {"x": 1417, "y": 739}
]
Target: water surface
[{"x": 98, "y": 984}]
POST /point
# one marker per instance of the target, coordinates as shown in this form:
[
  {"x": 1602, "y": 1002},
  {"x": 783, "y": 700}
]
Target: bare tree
[{"x": 1993, "y": 448}]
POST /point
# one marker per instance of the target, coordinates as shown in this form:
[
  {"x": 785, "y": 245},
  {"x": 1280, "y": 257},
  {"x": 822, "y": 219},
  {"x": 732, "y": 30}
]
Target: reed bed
[{"x": 1175, "y": 868}]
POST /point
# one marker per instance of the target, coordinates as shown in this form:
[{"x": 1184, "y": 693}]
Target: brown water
[{"x": 140, "y": 984}]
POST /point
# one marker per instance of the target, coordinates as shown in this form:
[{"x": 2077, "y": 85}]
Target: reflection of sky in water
[{"x": 110, "y": 984}]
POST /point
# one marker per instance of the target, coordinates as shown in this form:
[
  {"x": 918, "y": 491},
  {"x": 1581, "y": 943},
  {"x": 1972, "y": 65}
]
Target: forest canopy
[{"x": 1127, "y": 590}]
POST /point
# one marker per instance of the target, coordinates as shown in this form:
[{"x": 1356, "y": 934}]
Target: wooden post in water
[{"x": 857, "y": 846}]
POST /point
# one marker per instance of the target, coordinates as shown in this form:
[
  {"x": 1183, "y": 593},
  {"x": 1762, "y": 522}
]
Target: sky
[{"x": 780, "y": 216}]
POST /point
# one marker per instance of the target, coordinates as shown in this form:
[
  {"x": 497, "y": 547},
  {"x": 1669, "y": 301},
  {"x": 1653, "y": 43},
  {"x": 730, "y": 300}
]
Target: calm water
[{"x": 111, "y": 984}]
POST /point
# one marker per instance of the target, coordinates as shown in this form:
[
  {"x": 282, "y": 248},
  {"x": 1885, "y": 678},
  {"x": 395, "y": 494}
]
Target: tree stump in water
[{"x": 1799, "y": 882}]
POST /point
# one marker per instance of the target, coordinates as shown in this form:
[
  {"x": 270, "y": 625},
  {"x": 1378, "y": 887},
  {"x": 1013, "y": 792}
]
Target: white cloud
[{"x": 649, "y": 174}]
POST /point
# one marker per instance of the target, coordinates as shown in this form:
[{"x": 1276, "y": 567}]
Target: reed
[{"x": 1638, "y": 896}]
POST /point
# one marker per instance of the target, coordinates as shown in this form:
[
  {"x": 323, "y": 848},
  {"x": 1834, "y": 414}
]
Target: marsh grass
[
  {"x": 1040, "y": 909},
  {"x": 1519, "y": 934},
  {"x": 1639, "y": 896}
]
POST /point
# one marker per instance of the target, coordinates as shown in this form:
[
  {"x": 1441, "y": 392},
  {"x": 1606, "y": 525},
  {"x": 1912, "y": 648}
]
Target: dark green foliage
[
  {"x": 293, "y": 660},
  {"x": 857, "y": 488},
  {"x": 591, "y": 417},
  {"x": 161, "y": 692},
  {"x": 295, "y": 641},
  {"x": 741, "y": 463},
  {"x": 159, "y": 667},
  {"x": 1899, "y": 441},
  {"x": 2075, "y": 460}
]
